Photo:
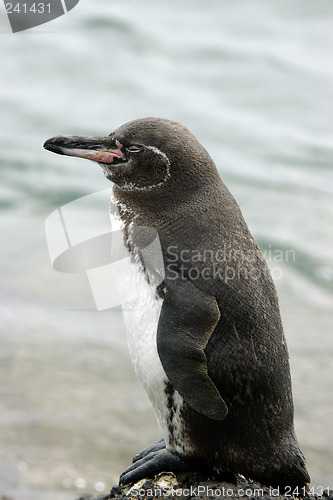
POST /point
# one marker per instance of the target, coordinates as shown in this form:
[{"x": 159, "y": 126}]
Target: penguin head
[{"x": 144, "y": 155}]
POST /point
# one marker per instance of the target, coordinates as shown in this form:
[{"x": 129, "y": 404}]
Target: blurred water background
[{"x": 253, "y": 81}]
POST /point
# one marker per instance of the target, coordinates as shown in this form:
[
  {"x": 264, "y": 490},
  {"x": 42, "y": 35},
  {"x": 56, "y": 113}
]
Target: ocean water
[{"x": 253, "y": 81}]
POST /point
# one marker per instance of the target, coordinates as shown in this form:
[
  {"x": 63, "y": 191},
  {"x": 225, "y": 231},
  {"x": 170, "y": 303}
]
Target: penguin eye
[{"x": 134, "y": 149}]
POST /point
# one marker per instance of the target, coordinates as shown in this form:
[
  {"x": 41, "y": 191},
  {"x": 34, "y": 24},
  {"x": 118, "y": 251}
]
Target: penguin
[{"x": 205, "y": 335}]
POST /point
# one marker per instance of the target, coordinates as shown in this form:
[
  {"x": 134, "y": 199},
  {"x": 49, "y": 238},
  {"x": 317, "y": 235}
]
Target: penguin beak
[{"x": 100, "y": 149}]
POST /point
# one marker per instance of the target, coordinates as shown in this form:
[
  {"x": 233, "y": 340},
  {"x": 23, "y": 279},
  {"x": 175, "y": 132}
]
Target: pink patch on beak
[{"x": 95, "y": 155}]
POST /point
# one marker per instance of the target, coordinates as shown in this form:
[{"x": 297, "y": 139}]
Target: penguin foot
[
  {"x": 151, "y": 464},
  {"x": 159, "y": 445}
]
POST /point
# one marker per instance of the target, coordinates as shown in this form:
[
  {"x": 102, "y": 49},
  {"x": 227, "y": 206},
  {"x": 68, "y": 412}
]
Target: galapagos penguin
[{"x": 207, "y": 342}]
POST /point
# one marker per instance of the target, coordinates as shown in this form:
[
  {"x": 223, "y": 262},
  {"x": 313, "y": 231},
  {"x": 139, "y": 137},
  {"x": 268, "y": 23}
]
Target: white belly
[
  {"x": 141, "y": 319},
  {"x": 141, "y": 315}
]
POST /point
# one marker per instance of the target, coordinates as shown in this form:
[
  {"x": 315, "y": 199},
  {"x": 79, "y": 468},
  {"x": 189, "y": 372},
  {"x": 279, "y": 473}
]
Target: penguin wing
[{"x": 187, "y": 319}]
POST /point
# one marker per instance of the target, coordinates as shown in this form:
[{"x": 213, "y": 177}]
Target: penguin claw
[
  {"x": 159, "y": 445},
  {"x": 151, "y": 464}
]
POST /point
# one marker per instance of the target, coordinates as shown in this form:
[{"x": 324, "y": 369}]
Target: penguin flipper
[{"x": 187, "y": 319}]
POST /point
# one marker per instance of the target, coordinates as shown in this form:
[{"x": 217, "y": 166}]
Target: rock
[{"x": 187, "y": 486}]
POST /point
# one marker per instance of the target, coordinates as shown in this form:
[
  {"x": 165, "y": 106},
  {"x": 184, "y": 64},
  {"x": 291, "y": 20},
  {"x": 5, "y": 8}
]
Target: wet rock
[{"x": 190, "y": 486}]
